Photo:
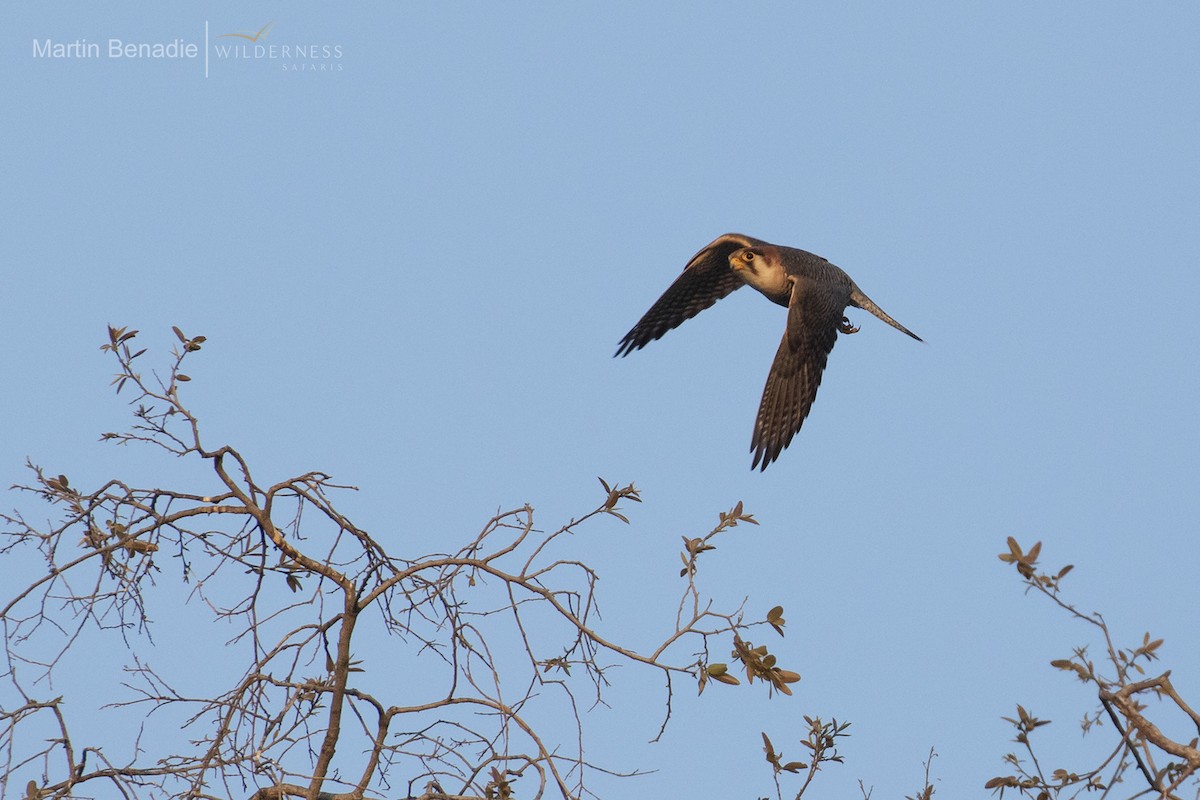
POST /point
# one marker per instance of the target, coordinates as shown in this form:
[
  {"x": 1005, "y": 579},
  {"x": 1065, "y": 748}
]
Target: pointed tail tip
[
  {"x": 883, "y": 316},
  {"x": 900, "y": 327}
]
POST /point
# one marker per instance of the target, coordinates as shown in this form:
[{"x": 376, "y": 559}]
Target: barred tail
[{"x": 860, "y": 300}]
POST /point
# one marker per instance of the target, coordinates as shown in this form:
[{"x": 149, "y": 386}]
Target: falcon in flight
[{"x": 815, "y": 293}]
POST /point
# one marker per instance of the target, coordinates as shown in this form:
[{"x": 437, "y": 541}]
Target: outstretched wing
[
  {"x": 814, "y": 315},
  {"x": 705, "y": 280}
]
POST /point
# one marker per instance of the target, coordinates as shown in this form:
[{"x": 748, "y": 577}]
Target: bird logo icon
[{"x": 250, "y": 37}]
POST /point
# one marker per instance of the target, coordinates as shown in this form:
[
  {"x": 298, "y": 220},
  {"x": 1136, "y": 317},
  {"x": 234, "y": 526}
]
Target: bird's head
[
  {"x": 761, "y": 266},
  {"x": 746, "y": 258}
]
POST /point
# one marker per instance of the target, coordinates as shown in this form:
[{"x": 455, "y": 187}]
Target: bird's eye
[{"x": 748, "y": 255}]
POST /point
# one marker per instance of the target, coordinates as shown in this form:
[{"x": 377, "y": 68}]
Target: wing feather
[
  {"x": 705, "y": 280},
  {"x": 814, "y": 314}
]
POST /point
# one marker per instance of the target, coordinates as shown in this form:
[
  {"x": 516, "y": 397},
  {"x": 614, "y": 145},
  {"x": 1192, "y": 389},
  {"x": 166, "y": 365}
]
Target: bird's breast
[{"x": 774, "y": 284}]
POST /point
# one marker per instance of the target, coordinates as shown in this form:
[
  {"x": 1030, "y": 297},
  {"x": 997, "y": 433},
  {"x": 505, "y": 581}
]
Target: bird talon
[{"x": 846, "y": 327}]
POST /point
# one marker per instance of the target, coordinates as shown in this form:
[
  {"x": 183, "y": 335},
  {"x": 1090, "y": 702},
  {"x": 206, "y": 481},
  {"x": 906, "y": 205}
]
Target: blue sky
[{"x": 413, "y": 273}]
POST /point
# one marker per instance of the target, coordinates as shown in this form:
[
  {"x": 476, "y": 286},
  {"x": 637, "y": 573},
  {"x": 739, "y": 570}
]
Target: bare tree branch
[{"x": 293, "y": 708}]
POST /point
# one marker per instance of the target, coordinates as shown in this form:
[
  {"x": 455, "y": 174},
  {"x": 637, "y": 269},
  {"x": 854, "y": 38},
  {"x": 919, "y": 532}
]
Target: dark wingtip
[
  {"x": 761, "y": 454},
  {"x": 625, "y": 347}
]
